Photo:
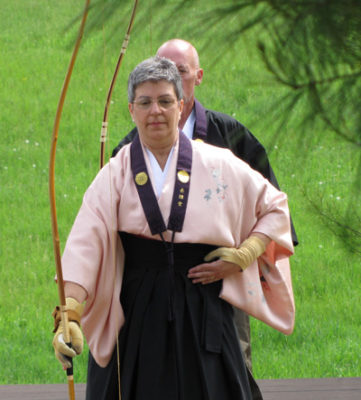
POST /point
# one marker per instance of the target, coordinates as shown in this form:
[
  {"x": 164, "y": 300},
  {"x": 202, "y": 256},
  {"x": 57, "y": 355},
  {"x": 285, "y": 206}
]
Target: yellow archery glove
[
  {"x": 244, "y": 256},
  {"x": 74, "y": 310}
]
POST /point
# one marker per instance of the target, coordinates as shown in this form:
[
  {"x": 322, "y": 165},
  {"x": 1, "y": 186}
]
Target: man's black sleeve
[{"x": 127, "y": 139}]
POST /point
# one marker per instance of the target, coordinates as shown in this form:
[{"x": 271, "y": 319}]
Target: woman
[{"x": 177, "y": 231}]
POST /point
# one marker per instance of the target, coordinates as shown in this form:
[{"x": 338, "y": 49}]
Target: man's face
[{"x": 189, "y": 71}]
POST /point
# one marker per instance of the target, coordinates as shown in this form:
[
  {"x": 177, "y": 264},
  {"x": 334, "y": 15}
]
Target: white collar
[
  {"x": 159, "y": 175},
  {"x": 189, "y": 125}
]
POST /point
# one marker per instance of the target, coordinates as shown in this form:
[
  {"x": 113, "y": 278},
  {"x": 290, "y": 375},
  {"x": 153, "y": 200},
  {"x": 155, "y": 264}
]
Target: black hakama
[{"x": 179, "y": 341}]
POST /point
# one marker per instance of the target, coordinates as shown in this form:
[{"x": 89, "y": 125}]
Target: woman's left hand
[{"x": 212, "y": 272}]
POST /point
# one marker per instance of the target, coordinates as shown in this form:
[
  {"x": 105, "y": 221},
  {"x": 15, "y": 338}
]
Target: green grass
[{"x": 36, "y": 49}]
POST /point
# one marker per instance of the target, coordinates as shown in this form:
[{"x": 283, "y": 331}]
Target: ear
[
  {"x": 199, "y": 76},
  {"x": 181, "y": 104},
  {"x": 131, "y": 110}
]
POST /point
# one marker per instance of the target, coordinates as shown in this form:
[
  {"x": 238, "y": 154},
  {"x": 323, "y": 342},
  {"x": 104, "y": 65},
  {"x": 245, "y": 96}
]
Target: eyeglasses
[{"x": 146, "y": 103}]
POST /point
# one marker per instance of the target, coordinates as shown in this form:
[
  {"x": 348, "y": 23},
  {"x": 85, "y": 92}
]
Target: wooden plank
[
  {"x": 40, "y": 392},
  {"x": 277, "y": 389},
  {"x": 311, "y": 389}
]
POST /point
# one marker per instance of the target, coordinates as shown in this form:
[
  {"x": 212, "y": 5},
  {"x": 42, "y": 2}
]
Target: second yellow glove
[{"x": 244, "y": 256}]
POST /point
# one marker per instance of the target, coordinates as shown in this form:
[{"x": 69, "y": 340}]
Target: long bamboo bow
[
  {"x": 104, "y": 129},
  {"x": 56, "y": 242},
  {"x": 55, "y": 232}
]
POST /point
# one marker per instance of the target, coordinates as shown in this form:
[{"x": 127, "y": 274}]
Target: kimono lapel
[{"x": 146, "y": 192}]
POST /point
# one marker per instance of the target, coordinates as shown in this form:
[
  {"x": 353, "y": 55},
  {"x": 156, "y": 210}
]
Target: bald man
[
  {"x": 185, "y": 56},
  {"x": 220, "y": 130}
]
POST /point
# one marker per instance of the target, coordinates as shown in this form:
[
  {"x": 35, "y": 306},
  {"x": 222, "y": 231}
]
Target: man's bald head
[
  {"x": 185, "y": 56},
  {"x": 179, "y": 48}
]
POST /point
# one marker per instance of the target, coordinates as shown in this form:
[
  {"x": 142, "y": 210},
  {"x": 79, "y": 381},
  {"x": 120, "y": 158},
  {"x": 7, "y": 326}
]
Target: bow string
[
  {"x": 104, "y": 128},
  {"x": 103, "y": 138}
]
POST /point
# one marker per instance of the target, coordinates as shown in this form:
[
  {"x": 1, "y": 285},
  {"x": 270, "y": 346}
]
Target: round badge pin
[
  {"x": 141, "y": 178},
  {"x": 183, "y": 176}
]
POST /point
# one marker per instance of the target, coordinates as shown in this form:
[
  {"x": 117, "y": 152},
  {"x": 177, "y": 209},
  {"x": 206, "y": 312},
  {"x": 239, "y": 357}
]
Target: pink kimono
[{"x": 227, "y": 202}]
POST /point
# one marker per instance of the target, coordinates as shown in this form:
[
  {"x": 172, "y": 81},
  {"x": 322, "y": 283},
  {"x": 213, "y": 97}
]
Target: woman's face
[{"x": 156, "y": 112}]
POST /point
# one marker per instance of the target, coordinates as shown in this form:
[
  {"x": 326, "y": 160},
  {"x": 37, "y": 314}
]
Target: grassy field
[{"x": 36, "y": 45}]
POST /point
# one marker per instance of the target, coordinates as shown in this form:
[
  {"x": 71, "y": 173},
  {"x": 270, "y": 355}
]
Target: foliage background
[{"x": 316, "y": 167}]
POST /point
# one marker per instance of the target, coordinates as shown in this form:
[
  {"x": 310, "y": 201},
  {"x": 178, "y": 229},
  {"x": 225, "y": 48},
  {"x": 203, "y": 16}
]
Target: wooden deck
[
  {"x": 282, "y": 389},
  {"x": 311, "y": 389}
]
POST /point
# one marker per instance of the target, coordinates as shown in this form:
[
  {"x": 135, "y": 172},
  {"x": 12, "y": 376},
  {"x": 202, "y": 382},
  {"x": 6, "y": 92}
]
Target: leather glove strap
[
  {"x": 244, "y": 256},
  {"x": 249, "y": 251},
  {"x": 74, "y": 310}
]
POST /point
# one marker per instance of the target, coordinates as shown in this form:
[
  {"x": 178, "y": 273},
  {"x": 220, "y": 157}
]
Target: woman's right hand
[{"x": 64, "y": 351}]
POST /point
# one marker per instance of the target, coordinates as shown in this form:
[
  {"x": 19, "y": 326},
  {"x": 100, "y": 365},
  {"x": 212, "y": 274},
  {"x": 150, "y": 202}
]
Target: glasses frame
[{"x": 164, "y": 103}]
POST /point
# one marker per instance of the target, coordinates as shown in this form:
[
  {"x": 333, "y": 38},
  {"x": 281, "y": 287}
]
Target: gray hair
[{"x": 155, "y": 69}]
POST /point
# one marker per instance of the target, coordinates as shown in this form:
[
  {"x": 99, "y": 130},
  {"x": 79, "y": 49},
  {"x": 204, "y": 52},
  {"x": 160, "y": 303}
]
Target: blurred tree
[{"x": 312, "y": 47}]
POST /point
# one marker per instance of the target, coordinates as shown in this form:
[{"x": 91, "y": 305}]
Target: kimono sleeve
[
  {"x": 264, "y": 289},
  {"x": 93, "y": 258}
]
